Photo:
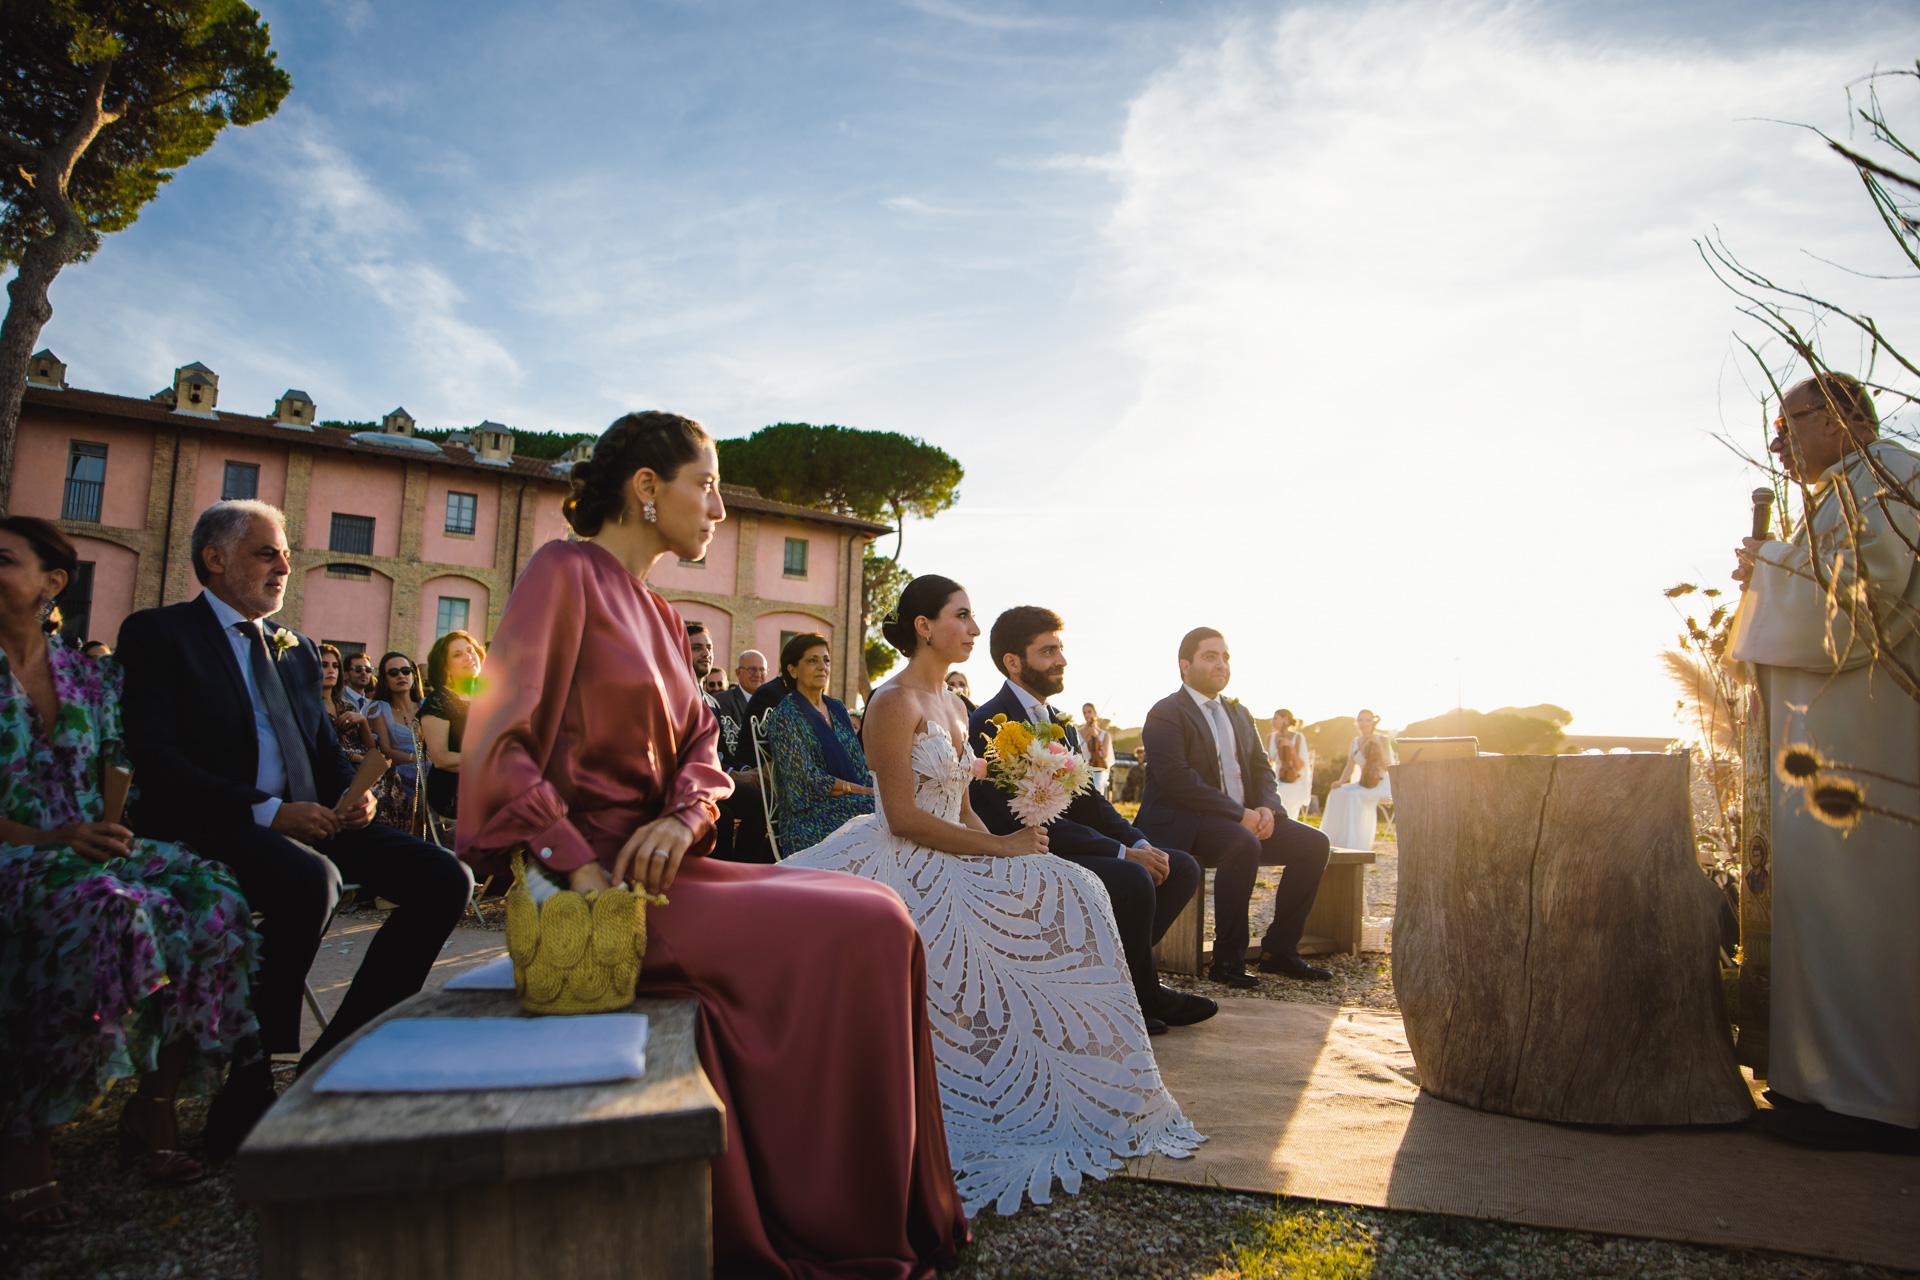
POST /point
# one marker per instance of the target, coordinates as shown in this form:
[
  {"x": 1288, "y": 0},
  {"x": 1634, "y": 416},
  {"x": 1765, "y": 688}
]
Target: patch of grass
[{"x": 1305, "y": 1244}]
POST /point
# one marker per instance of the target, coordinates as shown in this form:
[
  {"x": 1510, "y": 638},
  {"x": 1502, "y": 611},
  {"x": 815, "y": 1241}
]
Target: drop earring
[{"x": 650, "y": 512}]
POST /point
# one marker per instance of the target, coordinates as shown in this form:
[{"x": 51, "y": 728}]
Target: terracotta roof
[
  {"x": 745, "y": 499},
  {"x": 158, "y": 413}
]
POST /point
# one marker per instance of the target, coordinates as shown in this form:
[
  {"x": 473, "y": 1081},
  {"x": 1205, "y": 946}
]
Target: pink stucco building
[{"x": 396, "y": 539}]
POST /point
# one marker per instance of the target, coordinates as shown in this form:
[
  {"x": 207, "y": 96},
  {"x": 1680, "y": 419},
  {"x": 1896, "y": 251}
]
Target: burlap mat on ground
[{"x": 1324, "y": 1103}]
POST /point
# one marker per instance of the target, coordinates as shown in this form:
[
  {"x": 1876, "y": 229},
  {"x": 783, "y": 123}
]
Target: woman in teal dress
[
  {"x": 118, "y": 956},
  {"x": 818, "y": 765}
]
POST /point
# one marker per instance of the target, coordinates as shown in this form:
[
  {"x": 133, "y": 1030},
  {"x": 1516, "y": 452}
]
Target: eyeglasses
[{"x": 399, "y": 671}]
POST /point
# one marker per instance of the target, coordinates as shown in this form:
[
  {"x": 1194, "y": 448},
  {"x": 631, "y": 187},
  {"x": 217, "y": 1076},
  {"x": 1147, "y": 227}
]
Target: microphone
[{"x": 1762, "y": 512}]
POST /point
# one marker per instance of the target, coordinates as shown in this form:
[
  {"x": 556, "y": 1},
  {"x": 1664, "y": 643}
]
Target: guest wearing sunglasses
[
  {"x": 356, "y": 689},
  {"x": 394, "y": 714}
]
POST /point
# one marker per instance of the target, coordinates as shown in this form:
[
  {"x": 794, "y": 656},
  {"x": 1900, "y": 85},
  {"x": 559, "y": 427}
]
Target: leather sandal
[
  {"x": 36, "y": 1221},
  {"x": 163, "y": 1164}
]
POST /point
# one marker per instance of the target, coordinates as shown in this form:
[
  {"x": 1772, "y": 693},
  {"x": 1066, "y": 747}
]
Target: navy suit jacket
[
  {"x": 1090, "y": 828},
  {"x": 1183, "y": 775},
  {"x": 189, "y": 723}
]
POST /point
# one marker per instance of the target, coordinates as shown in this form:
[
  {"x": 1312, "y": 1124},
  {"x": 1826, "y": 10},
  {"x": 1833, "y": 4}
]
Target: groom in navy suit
[
  {"x": 1211, "y": 788},
  {"x": 1147, "y": 886}
]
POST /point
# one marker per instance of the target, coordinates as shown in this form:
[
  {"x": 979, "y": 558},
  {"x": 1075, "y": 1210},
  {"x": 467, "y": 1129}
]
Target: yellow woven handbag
[{"x": 576, "y": 952}]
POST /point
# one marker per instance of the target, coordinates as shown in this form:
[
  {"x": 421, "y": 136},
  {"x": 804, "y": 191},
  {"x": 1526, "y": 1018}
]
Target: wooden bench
[
  {"x": 585, "y": 1182},
  {"x": 1333, "y": 924}
]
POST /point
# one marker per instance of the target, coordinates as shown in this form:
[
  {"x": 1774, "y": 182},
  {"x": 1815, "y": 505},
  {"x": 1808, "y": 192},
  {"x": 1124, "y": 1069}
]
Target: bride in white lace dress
[{"x": 1045, "y": 1068}]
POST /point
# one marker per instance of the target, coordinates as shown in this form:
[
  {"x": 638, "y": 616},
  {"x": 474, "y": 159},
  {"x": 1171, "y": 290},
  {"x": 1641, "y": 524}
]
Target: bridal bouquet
[{"x": 1036, "y": 767}]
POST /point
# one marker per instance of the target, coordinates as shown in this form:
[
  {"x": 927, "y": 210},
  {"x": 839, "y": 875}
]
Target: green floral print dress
[{"x": 101, "y": 965}]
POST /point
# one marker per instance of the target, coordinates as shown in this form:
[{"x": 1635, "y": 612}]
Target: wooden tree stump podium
[
  {"x": 1555, "y": 943},
  {"x": 584, "y": 1182}
]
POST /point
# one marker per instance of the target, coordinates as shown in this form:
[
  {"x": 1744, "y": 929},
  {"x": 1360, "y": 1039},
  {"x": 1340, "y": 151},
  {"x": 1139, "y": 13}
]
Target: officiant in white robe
[{"x": 1845, "y": 1031}]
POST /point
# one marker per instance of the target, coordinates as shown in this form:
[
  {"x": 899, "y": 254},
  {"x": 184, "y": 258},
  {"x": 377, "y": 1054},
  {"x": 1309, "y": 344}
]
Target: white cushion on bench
[{"x": 430, "y": 1055}]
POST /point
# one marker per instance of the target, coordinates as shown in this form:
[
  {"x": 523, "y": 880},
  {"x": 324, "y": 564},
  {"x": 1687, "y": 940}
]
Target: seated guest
[
  {"x": 356, "y": 691},
  {"x": 740, "y": 832},
  {"x": 453, "y": 665},
  {"x": 1287, "y": 751},
  {"x": 118, "y": 955},
  {"x": 818, "y": 763},
  {"x": 592, "y": 749},
  {"x": 1147, "y": 886},
  {"x": 957, "y": 681},
  {"x": 1352, "y": 812},
  {"x": 356, "y": 735},
  {"x": 1212, "y": 790},
  {"x": 400, "y": 799},
  {"x": 751, "y": 673},
  {"x": 224, "y": 727},
  {"x": 97, "y": 649}
]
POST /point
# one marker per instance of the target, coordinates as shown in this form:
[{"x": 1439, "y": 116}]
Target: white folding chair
[{"x": 769, "y": 785}]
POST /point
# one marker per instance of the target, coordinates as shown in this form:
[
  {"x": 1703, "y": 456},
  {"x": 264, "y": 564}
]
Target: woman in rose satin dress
[{"x": 589, "y": 744}]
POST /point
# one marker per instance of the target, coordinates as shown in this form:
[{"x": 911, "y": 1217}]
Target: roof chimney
[
  {"x": 492, "y": 442},
  {"x": 294, "y": 409},
  {"x": 196, "y": 389},
  {"x": 397, "y": 423},
  {"x": 45, "y": 370}
]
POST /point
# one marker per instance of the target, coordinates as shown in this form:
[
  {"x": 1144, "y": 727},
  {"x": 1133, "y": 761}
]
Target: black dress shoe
[
  {"x": 1237, "y": 977},
  {"x": 1294, "y": 967},
  {"x": 1155, "y": 1027},
  {"x": 1183, "y": 1010},
  {"x": 232, "y": 1117}
]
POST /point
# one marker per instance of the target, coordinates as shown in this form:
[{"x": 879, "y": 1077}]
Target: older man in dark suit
[
  {"x": 237, "y": 758},
  {"x": 1210, "y": 789},
  {"x": 1147, "y": 883}
]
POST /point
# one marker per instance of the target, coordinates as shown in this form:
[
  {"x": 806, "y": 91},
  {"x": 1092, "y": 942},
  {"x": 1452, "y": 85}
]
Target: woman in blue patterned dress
[
  {"x": 817, "y": 761},
  {"x": 118, "y": 956}
]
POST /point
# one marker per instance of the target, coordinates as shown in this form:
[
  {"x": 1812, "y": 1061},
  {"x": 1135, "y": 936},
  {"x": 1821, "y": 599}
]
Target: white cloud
[{"x": 1428, "y": 362}]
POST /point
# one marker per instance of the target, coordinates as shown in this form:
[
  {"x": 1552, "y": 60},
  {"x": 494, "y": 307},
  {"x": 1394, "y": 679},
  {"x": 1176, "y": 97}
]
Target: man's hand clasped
[
  {"x": 1259, "y": 821},
  {"x": 1152, "y": 859},
  {"x": 306, "y": 822}
]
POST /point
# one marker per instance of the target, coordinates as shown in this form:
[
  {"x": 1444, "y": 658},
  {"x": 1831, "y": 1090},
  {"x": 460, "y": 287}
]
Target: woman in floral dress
[{"x": 118, "y": 956}]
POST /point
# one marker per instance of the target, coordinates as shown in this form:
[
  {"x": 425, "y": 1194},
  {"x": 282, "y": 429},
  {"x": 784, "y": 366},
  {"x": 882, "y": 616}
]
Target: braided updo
[
  {"x": 659, "y": 441},
  {"x": 924, "y": 597}
]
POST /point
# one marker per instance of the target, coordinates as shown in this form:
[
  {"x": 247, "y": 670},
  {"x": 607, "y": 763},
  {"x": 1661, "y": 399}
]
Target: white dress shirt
[
  {"x": 1031, "y": 705},
  {"x": 272, "y": 776},
  {"x": 1220, "y": 720}
]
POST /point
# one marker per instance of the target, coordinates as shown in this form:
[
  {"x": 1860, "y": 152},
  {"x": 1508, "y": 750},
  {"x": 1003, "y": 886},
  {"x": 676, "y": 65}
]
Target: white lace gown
[{"x": 1045, "y": 1067}]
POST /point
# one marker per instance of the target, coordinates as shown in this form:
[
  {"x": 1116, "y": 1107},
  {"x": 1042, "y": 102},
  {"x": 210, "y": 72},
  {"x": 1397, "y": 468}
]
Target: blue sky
[{"x": 1372, "y": 334}]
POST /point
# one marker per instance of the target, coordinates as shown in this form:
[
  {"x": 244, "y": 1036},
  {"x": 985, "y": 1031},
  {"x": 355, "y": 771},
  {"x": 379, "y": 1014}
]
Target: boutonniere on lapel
[{"x": 280, "y": 641}]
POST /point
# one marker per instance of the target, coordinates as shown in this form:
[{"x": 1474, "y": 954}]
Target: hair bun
[{"x": 900, "y": 635}]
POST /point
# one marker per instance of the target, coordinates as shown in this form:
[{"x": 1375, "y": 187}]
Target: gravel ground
[
  {"x": 1111, "y": 1230},
  {"x": 1133, "y": 1229}
]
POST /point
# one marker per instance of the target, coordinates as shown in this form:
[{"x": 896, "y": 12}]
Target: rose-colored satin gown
[{"x": 812, "y": 985}]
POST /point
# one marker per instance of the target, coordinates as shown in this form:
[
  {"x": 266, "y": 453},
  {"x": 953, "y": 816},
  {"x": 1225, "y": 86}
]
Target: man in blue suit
[
  {"x": 1211, "y": 788},
  {"x": 1147, "y": 886}
]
